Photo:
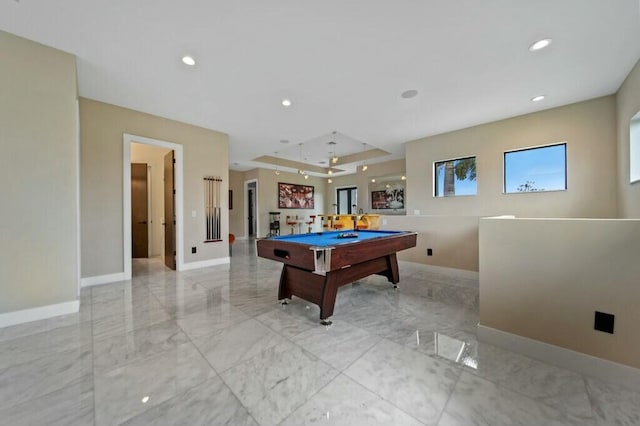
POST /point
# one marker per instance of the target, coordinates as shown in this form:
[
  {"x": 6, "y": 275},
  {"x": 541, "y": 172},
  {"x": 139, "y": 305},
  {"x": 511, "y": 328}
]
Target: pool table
[{"x": 317, "y": 264}]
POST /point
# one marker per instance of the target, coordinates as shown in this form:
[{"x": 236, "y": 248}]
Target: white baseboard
[
  {"x": 562, "y": 357},
  {"x": 204, "y": 263},
  {"x": 39, "y": 313},
  {"x": 102, "y": 279}
]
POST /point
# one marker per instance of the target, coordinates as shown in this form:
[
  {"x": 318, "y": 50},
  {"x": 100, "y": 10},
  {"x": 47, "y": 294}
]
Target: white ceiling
[{"x": 342, "y": 63}]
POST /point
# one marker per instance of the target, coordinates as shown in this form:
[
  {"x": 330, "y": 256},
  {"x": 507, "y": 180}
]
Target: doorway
[
  {"x": 347, "y": 200},
  {"x": 251, "y": 205},
  {"x": 139, "y": 210},
  {"x": 164, "y": 227},
  {"x": 169, "y": 222},
  {"x": 251, "y": 208}
]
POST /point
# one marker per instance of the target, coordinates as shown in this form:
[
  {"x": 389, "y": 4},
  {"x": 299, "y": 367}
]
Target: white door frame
[
  {"x": 246, "y": 208},
  {"x": 127, "y": 140}
]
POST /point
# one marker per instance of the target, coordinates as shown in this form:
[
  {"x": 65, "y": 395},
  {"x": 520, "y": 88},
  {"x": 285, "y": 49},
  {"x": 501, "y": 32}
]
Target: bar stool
[
  {"x": 232, "y": 239},
  {"x": 361, "y": 223},
  {"x": 292, "y": 223},
  {"x": 325, "y": 223},
  {"x": 311, "y": 222}
]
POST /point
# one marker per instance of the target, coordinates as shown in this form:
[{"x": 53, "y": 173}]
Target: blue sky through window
[
  {"x": 462, "y": 187},
  {"x": 536, "y": 169}
]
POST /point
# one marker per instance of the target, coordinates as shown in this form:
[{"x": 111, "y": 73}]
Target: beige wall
[
  {"x": 102, "y": 128},
  {"x": 589, "y": 130},
  {"x": 544, "y": 279},
  {"x": 628, "y": 104},
  {"x": 38, "y": 130},
  {"x": 361, "y": 180},
  {"x": 452, "y": 239},
  {"x": 153, "y": 156},
  {"x": 268, "y": 198}
]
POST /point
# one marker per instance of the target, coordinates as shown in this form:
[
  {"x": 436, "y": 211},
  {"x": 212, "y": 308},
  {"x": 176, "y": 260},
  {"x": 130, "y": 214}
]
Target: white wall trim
[
  {"x": 39, "y": 313},
  {"x": 103, "y": 279},
  {"x": 127, "y": 140},
  {"x": 206, "y": 263},
  {"x": 566, "y": 358}
]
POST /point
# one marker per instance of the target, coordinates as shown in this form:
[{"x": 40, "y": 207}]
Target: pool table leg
[
  {"x": 284, "y": 292},
  {"x": 328, "y": 299},
  {"x": 391, "y": 272},
  {"x": 323, "y": 290},
  {"x": 395, "y": 273}
]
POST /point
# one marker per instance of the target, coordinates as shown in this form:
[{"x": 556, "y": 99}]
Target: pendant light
[
  {"x": 364, "y": 163},
  {"x": 334, "y": 157},
  {"x": 300, "y": 171},
  {"x": 277, "y": 172}
]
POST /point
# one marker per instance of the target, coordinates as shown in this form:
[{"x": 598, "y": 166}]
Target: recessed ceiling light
[
  {"x": 188, "y": 60},
  {"x": 537, "y": 98},
  {"x": 286, "y": 102},
  {"x": 540, "y": 44},
  {"x": 408, "y": 94}
]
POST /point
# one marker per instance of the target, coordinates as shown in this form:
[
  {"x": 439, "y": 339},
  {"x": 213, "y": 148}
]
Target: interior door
[
  {"x": 169, "y": 212},
  {"x": 250, "y": 209},
  {"x": 139, "y": 211}
]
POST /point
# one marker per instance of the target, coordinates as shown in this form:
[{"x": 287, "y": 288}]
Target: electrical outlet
[
  {"x": 193, "y": 249},
  {"x": 604, "y": 322},
  {"x": 429, "y": 252}
]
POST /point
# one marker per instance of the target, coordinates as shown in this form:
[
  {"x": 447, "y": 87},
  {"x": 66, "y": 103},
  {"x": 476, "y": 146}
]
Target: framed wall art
[{"x": 293, "y": 196}]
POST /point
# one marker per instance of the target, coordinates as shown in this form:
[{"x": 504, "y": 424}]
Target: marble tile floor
[{"x": 214, "y": 347}]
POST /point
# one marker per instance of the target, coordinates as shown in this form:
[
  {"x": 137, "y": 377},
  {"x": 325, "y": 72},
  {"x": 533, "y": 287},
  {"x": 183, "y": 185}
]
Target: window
[
  {"x": 536, "y": 169},
  {"x": 634, "y": 149},
  {"x": 455, "y": 177}
]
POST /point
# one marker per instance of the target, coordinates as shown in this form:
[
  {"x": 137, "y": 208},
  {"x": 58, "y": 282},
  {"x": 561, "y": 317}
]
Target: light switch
[
  {"x": 416, "y": 212},
  {"x": 193, "y": 213}
]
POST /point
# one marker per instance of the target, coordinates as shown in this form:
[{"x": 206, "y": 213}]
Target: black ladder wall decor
[{"x": 212, "y": 208}]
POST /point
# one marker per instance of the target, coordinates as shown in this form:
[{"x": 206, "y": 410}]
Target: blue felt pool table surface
[{"x": 323, "y": 239}]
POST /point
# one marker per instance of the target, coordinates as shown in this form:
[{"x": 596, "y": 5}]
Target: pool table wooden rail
[{"x": 343, "y": 255}]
